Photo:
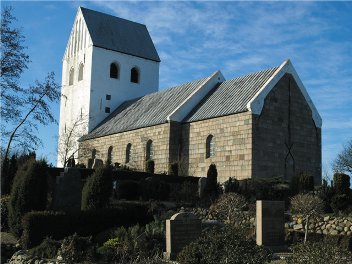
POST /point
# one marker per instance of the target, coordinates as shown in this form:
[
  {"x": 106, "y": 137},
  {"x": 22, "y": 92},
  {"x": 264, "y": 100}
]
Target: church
[{"x": 260, "y": 125}]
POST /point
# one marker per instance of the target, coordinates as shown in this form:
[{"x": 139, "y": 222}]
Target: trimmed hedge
[
  {"x": 41, "y": 224},
  {"x": 121, "y": 175}
]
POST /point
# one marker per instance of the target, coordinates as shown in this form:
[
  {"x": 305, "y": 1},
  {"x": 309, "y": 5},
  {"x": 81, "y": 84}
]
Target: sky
[{"x": 194, "y": 39}]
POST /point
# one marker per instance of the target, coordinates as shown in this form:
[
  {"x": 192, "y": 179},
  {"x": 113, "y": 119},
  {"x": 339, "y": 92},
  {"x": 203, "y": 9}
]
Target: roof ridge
[{"x": 252, "y": 73}]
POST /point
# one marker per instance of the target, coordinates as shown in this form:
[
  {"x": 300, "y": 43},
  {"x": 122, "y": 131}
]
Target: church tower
[{"x": 108, "y": 60}]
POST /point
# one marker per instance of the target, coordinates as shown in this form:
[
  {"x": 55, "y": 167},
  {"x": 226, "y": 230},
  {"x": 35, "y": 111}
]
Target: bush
[
  {"x": 47, "y": 249},
  {"x": 97, "y": 189},
  {"x": 76, "y": 249},
  {"x": 150, "y": 166},
  {"x": 342, "y": 183},
  {"x": 185, "y": 192},
  {"x": 231, "y": 185},
  {"x": 129, "y": 190},
  {"x": 340, "y": 202},
  {"x": 319, "y": 252},
  {"x": 29, "y": 192},
  {"x": 211, "y": 186},
  {"x": 224, "y": 245},
  {"x": 4, "y": 203},
  {"x": 38, "y": 225},
  {"x": 302, "y": 183},
  {"x": 174, "y": 169},
  {"x": 153, "y": 188}
]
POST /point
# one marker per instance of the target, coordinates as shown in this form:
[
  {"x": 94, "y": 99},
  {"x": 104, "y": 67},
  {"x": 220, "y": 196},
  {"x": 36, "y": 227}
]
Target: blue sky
[{"x": 194, "y": 39}]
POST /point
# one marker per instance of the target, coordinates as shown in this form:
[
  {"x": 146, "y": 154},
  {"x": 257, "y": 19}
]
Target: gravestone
[
  {"x": 201, "y": 186},
  {"x": 181, "y": 229},
  {"x": 270, "y": 226},
  {"x": 68, "y": 190}
]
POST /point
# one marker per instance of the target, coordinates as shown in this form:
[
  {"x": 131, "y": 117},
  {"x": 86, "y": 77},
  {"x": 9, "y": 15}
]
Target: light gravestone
[
  {"x": 270, "y": 226},
  {"x": 181, "y": 229}
]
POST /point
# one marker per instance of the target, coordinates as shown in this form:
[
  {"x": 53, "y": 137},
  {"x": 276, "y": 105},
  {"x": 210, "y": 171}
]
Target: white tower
[{"x": 107, "y": 61}]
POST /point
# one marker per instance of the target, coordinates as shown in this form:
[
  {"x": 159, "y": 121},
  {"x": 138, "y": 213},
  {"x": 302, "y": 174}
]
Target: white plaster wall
[{"x": 120, "y": 89}]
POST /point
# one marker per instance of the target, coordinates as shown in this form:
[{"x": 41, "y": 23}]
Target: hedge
[
  {"x": 139, "y": 175},
  {"x": 41, "y": 224}
]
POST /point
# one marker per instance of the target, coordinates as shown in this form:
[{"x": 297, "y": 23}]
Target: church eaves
[{"x": 117, "y": 34}]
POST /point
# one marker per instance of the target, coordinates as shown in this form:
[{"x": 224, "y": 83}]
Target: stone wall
[
  {"x": 159, "y": 134},
  {"x": 233, "y": 146},
  {"x": 286, "y": 140}
]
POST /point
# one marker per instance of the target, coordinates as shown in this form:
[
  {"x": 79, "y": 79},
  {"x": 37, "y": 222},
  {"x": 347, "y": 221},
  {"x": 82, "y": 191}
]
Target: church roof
[
  {"x": 149, "y": 110},
  {"x": 228, "y": 97},
  {"x": 117, "y": 34},
  {"x": 231, "y": 96}
]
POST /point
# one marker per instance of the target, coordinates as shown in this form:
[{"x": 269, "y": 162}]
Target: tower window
[
  {"x": 210, "y": 147},
  {"x": 114, "y": 71},
  {"x": 80, "y": 72},
  {"x": 128, "y": 153},
  {"x": 149, "y": 150},
  {"x": 107, "y": 109},
  {"x": 72, "y": 73},
  {"x": 134, "y": 75},
  {"x": 108, "y": 97}
]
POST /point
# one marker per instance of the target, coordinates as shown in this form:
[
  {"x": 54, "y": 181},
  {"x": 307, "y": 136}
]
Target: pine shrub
[
  {"x": 231, "y": 185},
  {"x": 4, "y": 203},
  {"x": 97, "y": 189},
  {"x": 174, "y": 169},
  {"x": 29, "y": 192},
  {"x": 130, "y": 190},
  {"x": 150, "y": 166},
  {"x": 342, "y": 183},
  {"x": 211, "y": 187}
]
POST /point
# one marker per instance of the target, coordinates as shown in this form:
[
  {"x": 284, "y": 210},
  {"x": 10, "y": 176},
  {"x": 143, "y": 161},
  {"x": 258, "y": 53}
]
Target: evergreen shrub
[
  {"x": 129, "y": 190},
  {"x": 342, "y": 183},
  {"x": 150, "y": 166},
  {"x": 97, "y": 189},
  {"x": 38, "y": 225},
  {"x": 47, "y": 249},
  {"x": 29, "y": 192},
  {"x": 174, "y": 169},
  {"x": 224, "y": 245},
  {"x": 4, "y": 203},
  {"x": 231, "y": 185},
  {"x": 302, "y": 183},
  {"x": 155, "y": 189},
  {"x": 211, "y": 186}
]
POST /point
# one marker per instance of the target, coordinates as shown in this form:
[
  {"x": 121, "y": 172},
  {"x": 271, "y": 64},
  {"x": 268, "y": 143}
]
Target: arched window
[
  {"x": 210, "y": 147},
  {"x": 149, "y": 150},
  {"x": 80, "y": 72},
  {"x": 110, "y": 154},
  {"x": 134, "y": 75},
  {"x": 94, "y": 153},
  {"x": 128, "y": 153},
  {"x": 114, "y": 71},
  {"x": 72, "y": 73}
]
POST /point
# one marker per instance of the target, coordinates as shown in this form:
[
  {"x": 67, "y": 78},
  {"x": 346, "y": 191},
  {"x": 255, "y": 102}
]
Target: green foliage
[
  {"x": 155, "y": 189},
  {"x": 97, "y": 189},
  {"x": 231, "y": 185},
  {"x": 302, "y": 183},
  {"x": 76, "y": 249},
  {"x": 4, "y": 203},
  {"x": 174, "y": 169},
  {"x": 38, "y": 225},
  {"x": 130, "y": 190},
  {"x": 326, "y": 192},
  {"x": 224, "y": 245},
  {"x": 29, "y": 192},
  {"x": 184, "y": 192},
  {"x": 211, "y": 187},
  {"x": 150, "y": 166},
  {"x": 342, "y": 183},
  {"x": 319, "y": 252},
  {"x": 47, "y": 249},
  {"x": 340, "y": 202}
]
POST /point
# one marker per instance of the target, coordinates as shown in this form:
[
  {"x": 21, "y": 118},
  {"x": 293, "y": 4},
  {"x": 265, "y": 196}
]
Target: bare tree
[
  {"x": 343, "y": 162},
  {"x": 309, "y": 206},
  {"x": 68, "y": 145}
]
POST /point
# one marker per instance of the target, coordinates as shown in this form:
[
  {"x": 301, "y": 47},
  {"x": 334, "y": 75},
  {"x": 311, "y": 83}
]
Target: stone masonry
[{"x": 280, "y": 142}]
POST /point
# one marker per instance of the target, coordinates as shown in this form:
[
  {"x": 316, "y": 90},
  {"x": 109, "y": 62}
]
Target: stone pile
[
  {"x": 23, "y": 257},
  {"x": 324, "y": 225}
]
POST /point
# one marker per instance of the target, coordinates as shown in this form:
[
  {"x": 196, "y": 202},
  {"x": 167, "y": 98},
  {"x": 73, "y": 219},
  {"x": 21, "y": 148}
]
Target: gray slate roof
[
  {"x": 231, "y": 96},
  {"x": 149, "y": 110},
  {"x": 113, "y": 33}
]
